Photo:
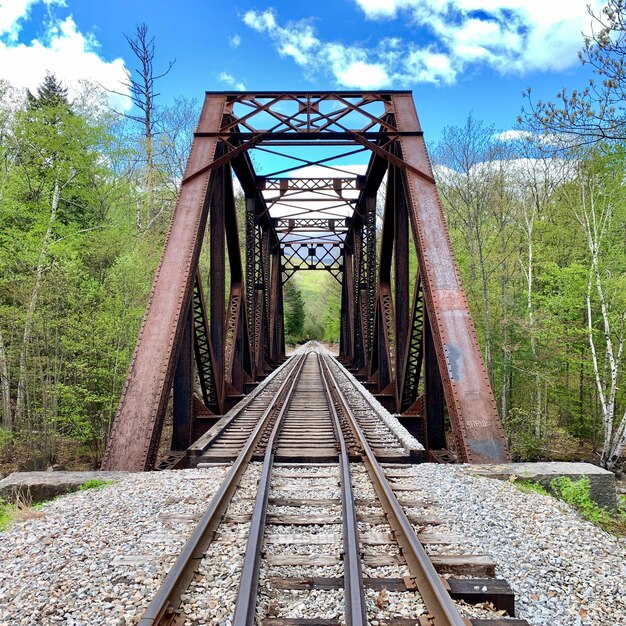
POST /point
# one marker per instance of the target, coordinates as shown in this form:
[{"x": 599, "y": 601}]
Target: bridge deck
[{"x": 307, "y": 435}]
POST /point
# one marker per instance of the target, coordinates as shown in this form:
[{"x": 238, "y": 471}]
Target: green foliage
[
  {"x": 321, "y": 295},
  {"x": 51, "y": 93},
  {"x": 294, "y": 312},
  {"x": 6, "y": 437},
  {"x": 524, "y": 444},
  {"x": 576, "y": 494},
  {"x": 74, "y": 276},
  {"x": 20, "y": 510},
  {"x": 5, "y": 515},
  {"x": 530, "y": 486},
  {"x": 94, "y": 483}
]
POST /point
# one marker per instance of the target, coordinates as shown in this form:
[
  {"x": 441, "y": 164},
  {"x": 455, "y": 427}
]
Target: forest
[{"x": 537, "y": 217}]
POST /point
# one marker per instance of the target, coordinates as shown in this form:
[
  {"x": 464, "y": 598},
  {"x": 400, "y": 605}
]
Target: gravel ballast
[
  {"x": 564, "y": 570},
  {"x": 96, "y": 557}
]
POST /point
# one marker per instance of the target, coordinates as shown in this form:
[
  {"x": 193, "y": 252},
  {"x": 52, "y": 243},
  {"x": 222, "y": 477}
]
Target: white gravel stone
[
  {"x": 564, "y": 570},
  {"x": 96, "y": 557},
  {"x": 359, "y": 394}
]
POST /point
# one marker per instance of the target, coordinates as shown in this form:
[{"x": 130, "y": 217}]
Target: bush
[
  {"x": 530, "y": 486},
  {"x": 576, "y": 494}
]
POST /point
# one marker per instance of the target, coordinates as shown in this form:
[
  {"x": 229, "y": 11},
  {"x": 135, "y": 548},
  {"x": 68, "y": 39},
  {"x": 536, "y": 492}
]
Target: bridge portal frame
[{"x": 412, "y": 342}]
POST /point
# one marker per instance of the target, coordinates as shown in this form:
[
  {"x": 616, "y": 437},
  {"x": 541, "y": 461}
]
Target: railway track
[
  {"x": 224, "y": 441},
  {"x": 333, "y": 538}
]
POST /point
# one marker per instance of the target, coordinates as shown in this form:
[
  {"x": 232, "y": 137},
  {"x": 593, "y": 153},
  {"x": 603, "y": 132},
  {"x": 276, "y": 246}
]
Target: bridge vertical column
[
  {"x": 478, "y": 433},
  {"x": 281, "y": 310},
  {"x": 136, "y": 430},
  {"x": 385, "y": 324},
  {"x": 217, "y": 291},
  {"x": 357, "y": 260},
  {"x": 182, "y": 400},
  {"x": 401, "y": 266},
  {"x": 347, "y": 305},
  {"x": 433, "y": 393},
  {"x": 412, "y": 405},
  {"x": 275, "y": 303},
  {"x": 265, "y": 264},
  {"x": 237, "y": 355},
  {"x": 369, "y": 293},
  {"x": 251, "y": 253}
]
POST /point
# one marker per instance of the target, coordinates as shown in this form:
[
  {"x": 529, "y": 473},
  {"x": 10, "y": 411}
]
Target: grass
[
  {"x": 23, "y": 508},
  {"x": 5, "y": 515},
  {"x": 19, "y": 511},
  {"x": 576, "y": 494},
  {"x": 94, "y": 483},
  {"x": 530, "y": 486}
]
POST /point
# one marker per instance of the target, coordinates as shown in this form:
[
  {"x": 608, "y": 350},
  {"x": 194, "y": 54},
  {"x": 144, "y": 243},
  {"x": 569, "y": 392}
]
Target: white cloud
[
  {"x": 71, "y": 55},
  {"x": 235, "y": 41},
  {"x": 510, "y": 36},
  {"x": 231, "y": 81},
  {"x": 13, "y": 12},
  {"x": 515, "y": 134},
  {"x": 350, "y": 65},
  {"x": 363, "y": 75}
]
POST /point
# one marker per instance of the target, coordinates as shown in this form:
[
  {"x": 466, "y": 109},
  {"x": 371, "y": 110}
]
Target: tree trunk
[
  {"x": 505, "y": 338},
  {"x": 32, "y": 306},
  {"x": 5, "y": 385}
]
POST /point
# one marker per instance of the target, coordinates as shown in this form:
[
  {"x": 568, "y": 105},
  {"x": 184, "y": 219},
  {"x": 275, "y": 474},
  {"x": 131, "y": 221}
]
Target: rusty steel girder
[
  {"x": 477, "y": 429},
  {"x": 132, "y": 443},
  {"x": 413, "y": 343}
]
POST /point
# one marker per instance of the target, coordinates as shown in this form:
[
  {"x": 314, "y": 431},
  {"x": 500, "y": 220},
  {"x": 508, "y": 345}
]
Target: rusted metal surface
[
  {"x": 427, "y": 580},
  {"x": 478, "y": 432},
  {"x": 204, "y": 349},
  {"x": 303, "y": 212},
  {"x": 136, "y": 428}
]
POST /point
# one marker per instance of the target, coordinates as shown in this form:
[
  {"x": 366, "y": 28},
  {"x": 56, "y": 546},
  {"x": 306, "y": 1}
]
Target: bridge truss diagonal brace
[
  {"x": 134, "y": 434},
  {"x": 477, "y": 429}
]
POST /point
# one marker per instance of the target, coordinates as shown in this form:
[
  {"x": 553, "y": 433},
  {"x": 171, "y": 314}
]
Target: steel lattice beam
[{"x": 423, "y": 359}]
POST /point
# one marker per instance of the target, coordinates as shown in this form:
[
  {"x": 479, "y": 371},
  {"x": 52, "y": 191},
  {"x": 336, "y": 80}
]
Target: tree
[
  {"x": 141, "y": 84},
  {"x": 67, "y": 322},
  {"x": 538, "y": 175},
  {"x": 294, "y": 312},
  {"x": 595, "y": 215},
  {"x": 598, "y": 112},
  {"x": 5, "y": 160},
  {"x": 50, "y": 94},
  {"x": 175, "y": 128},
  {"x": 41, "y": 148}
]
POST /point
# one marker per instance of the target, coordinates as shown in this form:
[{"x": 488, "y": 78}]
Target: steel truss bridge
[{"x": 312, "y": 166}]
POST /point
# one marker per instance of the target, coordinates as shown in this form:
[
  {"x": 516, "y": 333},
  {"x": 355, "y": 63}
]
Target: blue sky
[{"x": 456, "y": 56}]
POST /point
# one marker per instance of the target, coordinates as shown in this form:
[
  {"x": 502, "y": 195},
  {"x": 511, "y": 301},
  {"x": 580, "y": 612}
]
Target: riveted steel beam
[
  {"x": 478, "y": 433},
  {"x": 136, "y": 429}
]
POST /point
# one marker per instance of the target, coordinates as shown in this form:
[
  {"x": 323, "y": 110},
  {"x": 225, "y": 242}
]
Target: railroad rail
[{"x": 304, "y": 510}]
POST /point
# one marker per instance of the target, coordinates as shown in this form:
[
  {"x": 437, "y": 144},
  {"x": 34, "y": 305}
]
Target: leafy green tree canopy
[{"x": 294, "y": 311}]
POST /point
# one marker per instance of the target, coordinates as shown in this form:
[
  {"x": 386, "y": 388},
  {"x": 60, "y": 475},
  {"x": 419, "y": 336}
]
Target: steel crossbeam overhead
[{"x": 314, "y": 168}]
